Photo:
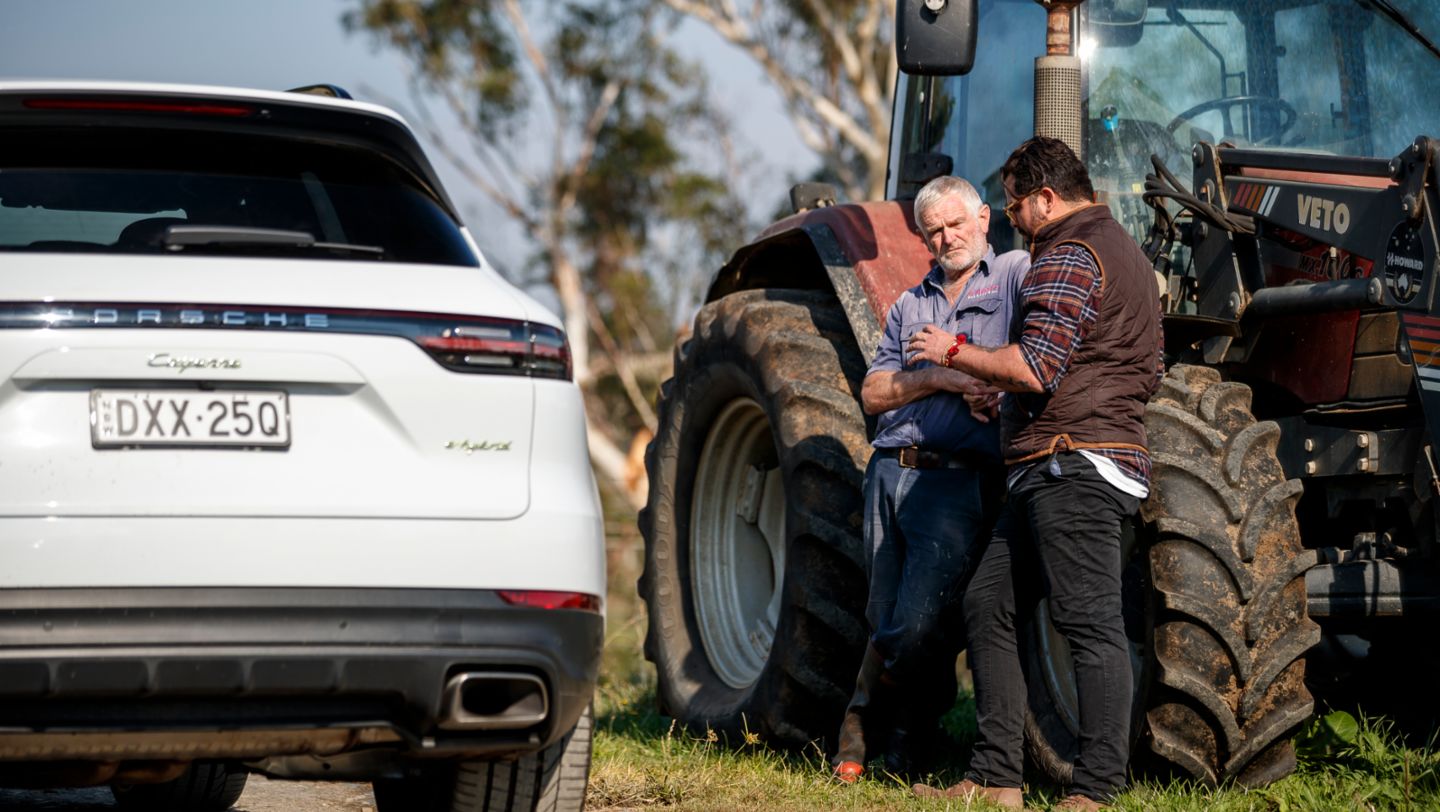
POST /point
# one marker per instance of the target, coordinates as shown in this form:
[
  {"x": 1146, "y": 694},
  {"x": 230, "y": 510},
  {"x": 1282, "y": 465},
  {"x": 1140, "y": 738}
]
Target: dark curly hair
[{"x": 1043, "y": 161}]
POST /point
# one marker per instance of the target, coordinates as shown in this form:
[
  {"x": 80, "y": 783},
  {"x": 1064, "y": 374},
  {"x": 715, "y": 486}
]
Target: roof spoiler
[{"x": 333, "y": 91}]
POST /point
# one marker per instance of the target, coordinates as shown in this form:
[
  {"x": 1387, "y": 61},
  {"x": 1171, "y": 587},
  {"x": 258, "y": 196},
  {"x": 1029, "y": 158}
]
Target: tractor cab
[{"x": 1334, "y": 77}]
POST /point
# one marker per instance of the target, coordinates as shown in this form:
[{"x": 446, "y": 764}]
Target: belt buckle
[{"x": 909, "y": 457}]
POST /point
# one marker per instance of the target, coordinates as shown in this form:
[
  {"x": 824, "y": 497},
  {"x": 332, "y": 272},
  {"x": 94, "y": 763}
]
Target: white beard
[{"x": 957, "y": 261}]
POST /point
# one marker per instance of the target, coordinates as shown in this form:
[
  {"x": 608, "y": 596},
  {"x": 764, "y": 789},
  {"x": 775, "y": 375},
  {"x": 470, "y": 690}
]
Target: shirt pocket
[
  {"x": 911, "y": 326},
  {"x": 982, "y": 319},
  {"x": 908, "y": 328}
]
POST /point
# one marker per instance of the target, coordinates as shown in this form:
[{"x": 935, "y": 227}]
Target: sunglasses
[{"x": 1015, "y": 204}]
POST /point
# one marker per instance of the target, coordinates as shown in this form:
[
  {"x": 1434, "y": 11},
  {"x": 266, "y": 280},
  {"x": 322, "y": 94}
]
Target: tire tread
[
  {"x": 798, "y": 359},
  {"x": 1252, "y": 705}
]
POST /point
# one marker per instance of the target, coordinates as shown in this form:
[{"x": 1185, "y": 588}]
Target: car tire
[
  {"x": 204, "y": 787},
  {"x": 551, "y": 780}
]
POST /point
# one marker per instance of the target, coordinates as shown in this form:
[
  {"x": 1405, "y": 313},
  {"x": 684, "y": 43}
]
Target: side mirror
[
  {"x": 1116, "y": 12},
  {"x": 1116, "y": 22},
  {"x": 935, "y": 37}
]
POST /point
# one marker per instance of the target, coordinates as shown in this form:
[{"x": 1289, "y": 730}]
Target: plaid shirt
[{"x": 1059, "y": 301}]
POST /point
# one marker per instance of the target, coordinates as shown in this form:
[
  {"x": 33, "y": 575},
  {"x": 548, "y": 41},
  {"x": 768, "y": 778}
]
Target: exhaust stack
[
  {"x": 485, "y": 700},
  {"x": 1057, "y": 79}
]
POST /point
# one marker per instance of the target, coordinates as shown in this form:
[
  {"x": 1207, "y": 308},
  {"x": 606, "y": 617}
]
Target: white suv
[{"x": 291, "y": 481}]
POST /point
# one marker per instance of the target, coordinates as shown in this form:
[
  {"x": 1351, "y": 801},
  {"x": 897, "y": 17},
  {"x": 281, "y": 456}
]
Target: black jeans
[{"x": 1059, "y": 538}]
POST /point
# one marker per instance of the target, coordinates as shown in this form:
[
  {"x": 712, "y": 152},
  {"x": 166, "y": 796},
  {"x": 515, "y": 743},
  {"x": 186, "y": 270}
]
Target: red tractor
[{"x": 1265, "y": 156}]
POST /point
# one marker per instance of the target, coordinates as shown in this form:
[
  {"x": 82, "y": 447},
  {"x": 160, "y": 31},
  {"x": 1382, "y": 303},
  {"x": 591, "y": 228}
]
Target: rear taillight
[
  {"x": 545, "y": 599},
  {"x": 142, "y": 106},
  {"x": 495, "y": 345},
  {"x": 460, "y": 343}
]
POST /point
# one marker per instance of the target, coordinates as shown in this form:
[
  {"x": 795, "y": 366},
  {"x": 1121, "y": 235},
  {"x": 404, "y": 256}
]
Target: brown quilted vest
[{"x": 1100, "y": 403}]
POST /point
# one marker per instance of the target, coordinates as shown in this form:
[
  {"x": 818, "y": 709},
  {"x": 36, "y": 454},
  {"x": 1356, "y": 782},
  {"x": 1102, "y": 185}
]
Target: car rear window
[{"x": 187, "y": 192}]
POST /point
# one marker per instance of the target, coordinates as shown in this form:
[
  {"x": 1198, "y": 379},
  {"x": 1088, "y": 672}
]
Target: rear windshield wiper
[{"x": 178, "y": 238}]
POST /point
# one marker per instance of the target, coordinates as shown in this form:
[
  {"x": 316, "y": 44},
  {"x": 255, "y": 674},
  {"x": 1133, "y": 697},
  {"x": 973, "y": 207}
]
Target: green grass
[
  {"x": 1344, "y": 765},
  {"x": 642, "y": 760}
]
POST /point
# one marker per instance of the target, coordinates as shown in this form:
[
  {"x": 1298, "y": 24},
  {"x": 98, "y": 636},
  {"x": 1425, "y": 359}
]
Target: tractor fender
[{"x": 867, "y": 253}]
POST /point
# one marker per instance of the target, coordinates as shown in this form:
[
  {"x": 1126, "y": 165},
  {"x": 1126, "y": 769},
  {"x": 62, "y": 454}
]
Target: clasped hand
[{"x": 985, "y": 404}]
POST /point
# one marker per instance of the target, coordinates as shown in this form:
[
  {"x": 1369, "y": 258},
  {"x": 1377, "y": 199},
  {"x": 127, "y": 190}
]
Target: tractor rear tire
[
  {"x": 1217, "y": 620},
  {"x": 755, "y": 574}
]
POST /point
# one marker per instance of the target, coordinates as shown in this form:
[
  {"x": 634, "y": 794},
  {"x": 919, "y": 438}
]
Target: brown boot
[
  {"x": 865, "y": 718},
  {"x": 970, "y": 792},
  {"x": 1080, "y": 803}
]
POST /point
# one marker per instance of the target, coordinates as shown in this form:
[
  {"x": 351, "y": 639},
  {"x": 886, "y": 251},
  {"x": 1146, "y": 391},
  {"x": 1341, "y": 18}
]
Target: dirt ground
[{"x": 261, "y": 795}]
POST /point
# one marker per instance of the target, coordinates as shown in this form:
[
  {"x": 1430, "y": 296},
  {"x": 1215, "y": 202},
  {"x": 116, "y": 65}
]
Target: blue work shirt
[{"x": 985, "y": 312}]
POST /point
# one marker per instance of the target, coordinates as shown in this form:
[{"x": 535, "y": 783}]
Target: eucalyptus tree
[
  {"x": 583, "y": 125},
  {"x": 834, "y": 66}
]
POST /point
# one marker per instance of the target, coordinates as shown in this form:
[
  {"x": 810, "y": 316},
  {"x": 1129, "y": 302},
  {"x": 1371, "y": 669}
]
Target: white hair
[{"x": 944, "y": 185}]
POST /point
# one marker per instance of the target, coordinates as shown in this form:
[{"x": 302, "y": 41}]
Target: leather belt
[{"x": 916, "y": 457}]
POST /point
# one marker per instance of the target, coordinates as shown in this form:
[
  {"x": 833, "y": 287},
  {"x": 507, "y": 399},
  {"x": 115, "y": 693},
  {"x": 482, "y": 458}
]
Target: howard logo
[
  {"x": 1394, "y": 260},
  {"x": 1317, "y": 212}
]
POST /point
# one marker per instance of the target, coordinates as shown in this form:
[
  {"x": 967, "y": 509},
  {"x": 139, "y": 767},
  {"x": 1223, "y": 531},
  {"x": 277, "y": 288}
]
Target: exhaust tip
[{"x": 487, "y": 700}]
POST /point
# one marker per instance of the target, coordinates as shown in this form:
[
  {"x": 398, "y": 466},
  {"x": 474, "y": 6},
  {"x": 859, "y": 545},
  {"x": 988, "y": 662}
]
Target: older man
[
  {"x": 1087, "y": 358},
  {"x": 924, "y": 489}
]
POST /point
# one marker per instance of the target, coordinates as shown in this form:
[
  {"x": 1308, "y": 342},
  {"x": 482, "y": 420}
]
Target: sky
[{"x": 279, "y": 44}]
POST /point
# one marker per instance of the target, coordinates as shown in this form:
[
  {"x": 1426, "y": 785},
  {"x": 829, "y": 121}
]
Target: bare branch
[
  {"x": 727, "y": 23},
  {"x": 868, "y": 86},
  {"x": 847, "y": 178},
  {"x": 642, "y": 330},
  {"x": 541, "y": 65},
  {"x": 842, "y": 114},
  {"x": 573, "y": 300},
  {"x": 611, "y": 462},
  {"x": 622, "y": 366},
  {"x": 537, "y": 59},
  {"x": 581, "y": 164},
  {"x": 484, "y": 151},
  {"x": 657, "y": 365},
  {"x": 511, "y": 205},
  {"x": 797, "y": 93},
  {"x": 837, "y": 35}
]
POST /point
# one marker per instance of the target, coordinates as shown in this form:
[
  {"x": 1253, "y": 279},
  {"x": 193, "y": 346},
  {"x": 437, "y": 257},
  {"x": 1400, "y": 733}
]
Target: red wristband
[{"x": 960, "y": 338}]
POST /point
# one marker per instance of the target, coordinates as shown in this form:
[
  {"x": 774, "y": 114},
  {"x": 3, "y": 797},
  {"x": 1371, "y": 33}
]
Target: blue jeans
[
  {"x": 1058, "y": 538},
  {"x": 922, "y": 531}
]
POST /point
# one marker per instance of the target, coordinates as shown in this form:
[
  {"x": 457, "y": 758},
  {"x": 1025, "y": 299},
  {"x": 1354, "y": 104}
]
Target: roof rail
[{"x": 333, "y": 91}]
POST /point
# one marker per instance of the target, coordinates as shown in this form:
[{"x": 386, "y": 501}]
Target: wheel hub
[{"x": 737, "y": 542}]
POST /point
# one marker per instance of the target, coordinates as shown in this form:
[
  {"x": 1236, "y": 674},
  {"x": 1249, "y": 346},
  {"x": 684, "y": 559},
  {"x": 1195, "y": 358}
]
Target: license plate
[{"x": 170, "y": 417}]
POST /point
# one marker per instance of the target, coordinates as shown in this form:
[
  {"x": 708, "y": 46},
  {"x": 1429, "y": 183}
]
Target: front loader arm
[{"x": 1377, "y": 210}]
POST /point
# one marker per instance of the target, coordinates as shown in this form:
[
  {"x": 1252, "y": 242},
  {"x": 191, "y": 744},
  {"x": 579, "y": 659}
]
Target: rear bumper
[
  {"x": 249, "y": 673},
  {"x": 550, "y": 547}
]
